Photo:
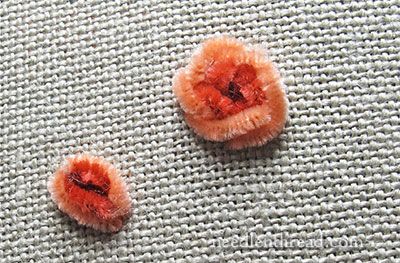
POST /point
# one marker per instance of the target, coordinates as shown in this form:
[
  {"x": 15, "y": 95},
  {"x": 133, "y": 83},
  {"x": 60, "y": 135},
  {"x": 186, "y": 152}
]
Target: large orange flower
[{"x": 231, "y": 93}]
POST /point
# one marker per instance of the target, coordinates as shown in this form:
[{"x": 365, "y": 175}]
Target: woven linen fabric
[{"x": 96, "y": 77}]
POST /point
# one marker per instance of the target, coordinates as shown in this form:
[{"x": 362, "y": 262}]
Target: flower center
[
  {"x": 91, "y": 190},
  {"x": 89, "y": 184},
  {"x": 228, "y": 89}
]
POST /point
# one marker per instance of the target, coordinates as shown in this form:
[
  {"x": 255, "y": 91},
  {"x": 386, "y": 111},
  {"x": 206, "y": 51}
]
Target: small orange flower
[
  {"x": 91, "y": 191},
  {"x": 233, "y": 94}
]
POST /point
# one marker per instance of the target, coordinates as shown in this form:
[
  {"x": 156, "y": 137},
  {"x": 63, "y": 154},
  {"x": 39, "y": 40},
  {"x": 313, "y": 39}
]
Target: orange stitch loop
[
  {"x": 231, "y": 93},
  {"x": 90, "y": 190}
]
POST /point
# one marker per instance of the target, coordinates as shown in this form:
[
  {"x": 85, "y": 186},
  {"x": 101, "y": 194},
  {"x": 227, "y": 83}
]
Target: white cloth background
[{"x": 95, "y": 76}]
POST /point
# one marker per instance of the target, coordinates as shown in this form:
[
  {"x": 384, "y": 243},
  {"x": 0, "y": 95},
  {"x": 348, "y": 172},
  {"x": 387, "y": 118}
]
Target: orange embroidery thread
[
  {"x": 230, "y": 93},
  {"x": 91, "y": 191}
]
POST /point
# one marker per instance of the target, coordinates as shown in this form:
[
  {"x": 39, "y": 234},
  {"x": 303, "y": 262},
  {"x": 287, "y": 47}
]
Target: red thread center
[
  {"x": 228, "y": 89},
  {"x": 90, "y": 190}
]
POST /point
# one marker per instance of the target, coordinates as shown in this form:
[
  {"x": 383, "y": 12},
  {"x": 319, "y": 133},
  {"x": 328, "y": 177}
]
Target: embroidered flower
[
  {"x": 91, "y": 191},
  {"x": 231, "y": 93}
]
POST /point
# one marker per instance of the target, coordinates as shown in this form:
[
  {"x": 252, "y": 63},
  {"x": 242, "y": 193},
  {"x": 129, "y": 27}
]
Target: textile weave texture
[{"x": 96, "y": 77}]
